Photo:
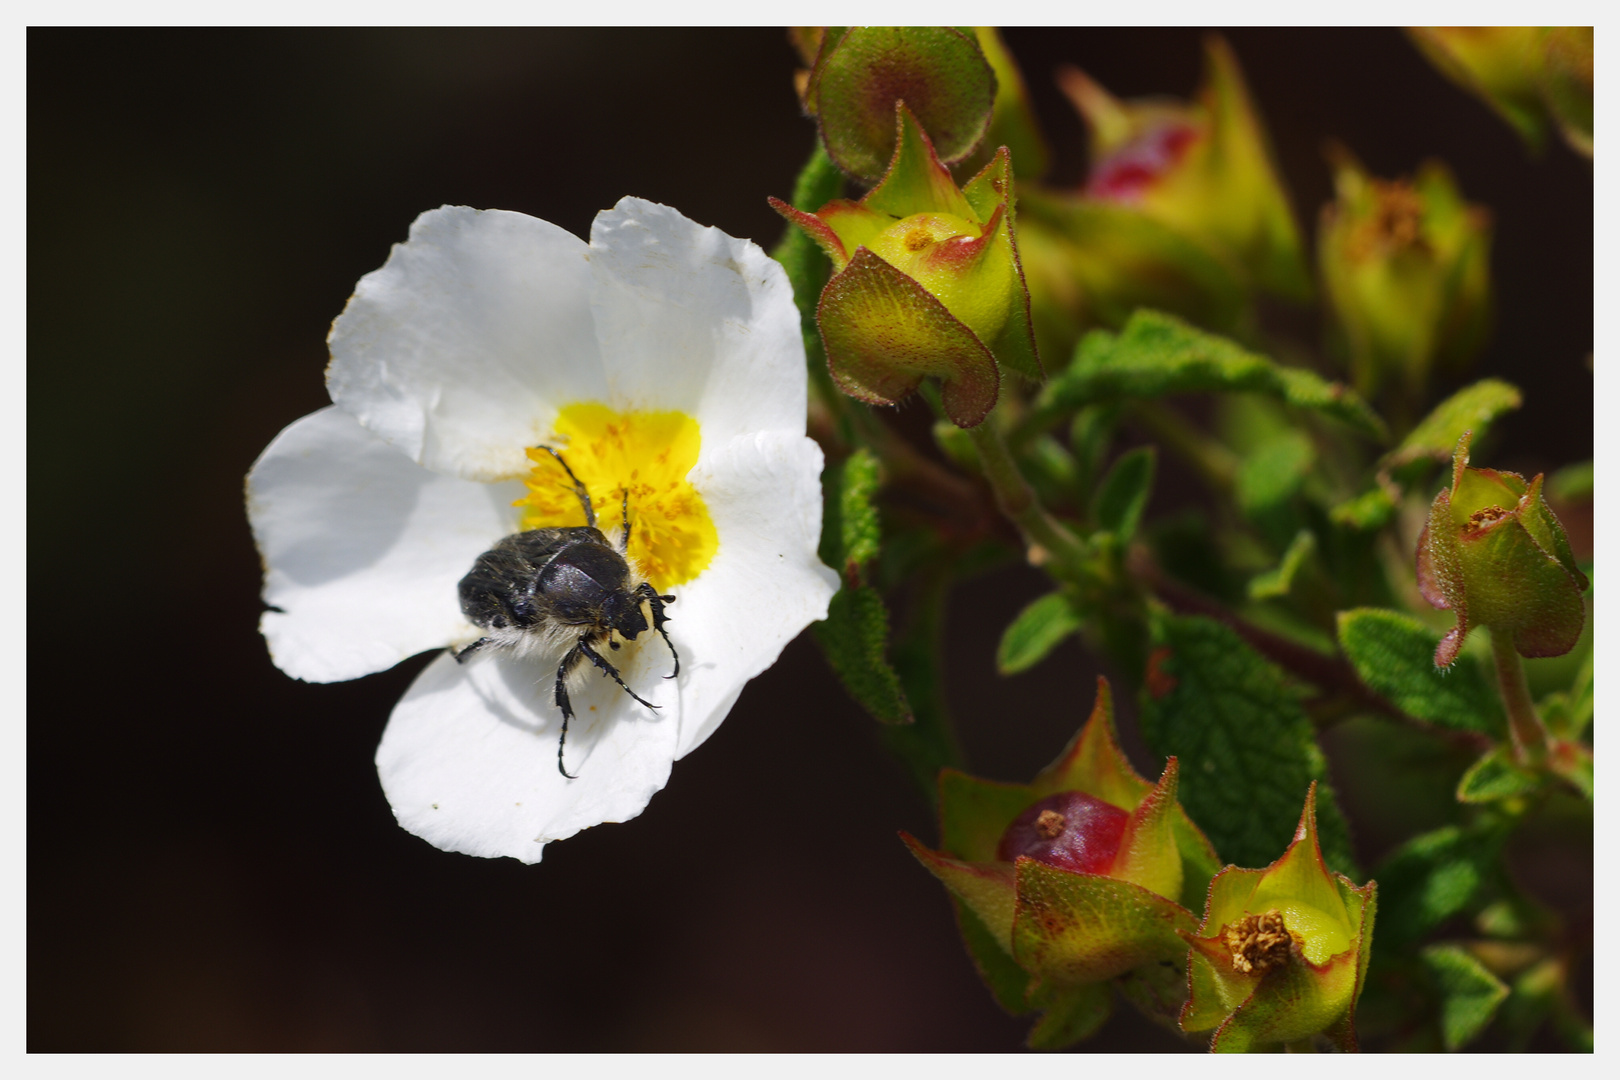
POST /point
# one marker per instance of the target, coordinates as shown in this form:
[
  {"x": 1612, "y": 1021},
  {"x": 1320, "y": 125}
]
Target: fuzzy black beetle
[{"x": 563, "y": 590}]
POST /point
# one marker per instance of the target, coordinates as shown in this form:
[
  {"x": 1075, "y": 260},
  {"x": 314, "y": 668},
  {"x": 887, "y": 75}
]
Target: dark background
[{"x": 211, "y": 864}]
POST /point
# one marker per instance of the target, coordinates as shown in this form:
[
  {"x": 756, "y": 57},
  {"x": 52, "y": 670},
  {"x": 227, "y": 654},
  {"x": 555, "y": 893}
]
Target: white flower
[{"x": 489, "y": 333}]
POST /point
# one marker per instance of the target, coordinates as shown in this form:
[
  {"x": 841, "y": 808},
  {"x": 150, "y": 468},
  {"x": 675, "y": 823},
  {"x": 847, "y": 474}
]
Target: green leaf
[
  {"x": 1247, "y": 750},
  {"x": 1473, "y": 408},
  {"x": 1123, "y": 494},
  {"x": 851, "y": 534},
  {"x": 1278, "y": 580},
  {"x": 855, "y": 638},
  {"x": 1495, "y": 776},
  {"x": 1072, "y": 1014},
  {"x": 1469, "y": 994},
  {"x": 1370, "y": 510},
  {"x": 1271, "y": 475},
  {"x": 1394, "y": 655},
  {"x": 1035, "y": 632},
  {"x": 1431, "y": 878},
  {"x": 1572, "y": 483},
  {"x": 1157, "y": 354}
]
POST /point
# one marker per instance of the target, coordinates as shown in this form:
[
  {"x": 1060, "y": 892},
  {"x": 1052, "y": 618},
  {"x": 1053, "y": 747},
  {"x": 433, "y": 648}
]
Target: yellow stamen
[{"x": 645, "y": 455}]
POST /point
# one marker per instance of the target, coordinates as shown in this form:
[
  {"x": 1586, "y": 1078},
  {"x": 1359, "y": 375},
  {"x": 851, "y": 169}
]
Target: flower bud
[
  {"x": 1081, "y": 875},
  {"x": 927, "y": 282},
  {"x": 1527, "y": 74},
  {"x": 1494, "y": 553},
  {"x": 1282, "y": 952},
  {"x": 1203, "y": 169},
  {"x": 1407, "y": 269},
  {"x": 861, "y": 72}
]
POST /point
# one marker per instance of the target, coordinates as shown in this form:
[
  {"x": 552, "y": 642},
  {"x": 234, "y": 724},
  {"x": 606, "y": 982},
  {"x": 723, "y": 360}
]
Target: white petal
[
  {"x": 469, "y": 758},
  {"x": 692, "y": 319},
  {"x": 362, "y": 548},
  {"x": 460, "y": 350},
  {"x": 766, "y": 583}
]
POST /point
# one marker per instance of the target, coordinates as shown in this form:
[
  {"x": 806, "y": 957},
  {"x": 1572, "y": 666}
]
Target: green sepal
[
  {"x": 1078, "y": 928},
  {"x": 1494, "y": 777},
  {"x": 1433, "y": 877},
  {"x": 1394, "y": 655},
  {"x": 1469, "y": 995},
  {"x": 991, "y": 189},
  {"x": 1072, "y": 1013},
  {"x": 1227, "y": 713},
  {"x": 1158, "y": 354},
  {"x": 917, "y": 182},
  {"x": 1122, "y": 497},
  {"x": 884, "y": 332},
  {"x": 1473, "y": 408},
  {"x": 1280, "y": 579},
  {"x": 1008, "y": 983},
  {"x": 986, "y": 888},
  {"x": 1037, "y": 630},
  {"x": 802, "y": 253},
  {"x": 938, "y": 71}
]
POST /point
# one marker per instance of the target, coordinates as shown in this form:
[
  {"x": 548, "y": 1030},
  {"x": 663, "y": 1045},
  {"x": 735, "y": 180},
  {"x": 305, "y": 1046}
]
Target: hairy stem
[
  {"x": 1017, "y": 500},
  {"x": 1529, "y": 736}
]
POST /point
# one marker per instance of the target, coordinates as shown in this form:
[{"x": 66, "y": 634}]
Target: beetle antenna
[{"x": 579, "y": 488}]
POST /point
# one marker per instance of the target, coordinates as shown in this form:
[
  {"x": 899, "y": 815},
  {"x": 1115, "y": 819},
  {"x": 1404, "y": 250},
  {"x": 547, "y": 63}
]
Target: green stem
[
  {"x": 1017, "y": 500},
  {"x": 1529, "y": 736}
]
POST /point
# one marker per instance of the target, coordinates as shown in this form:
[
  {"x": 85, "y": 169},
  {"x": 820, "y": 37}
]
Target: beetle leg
[
  {"x": 560, "y": 696},
  {"x": 579, "y": 489},
  {"x": 601, "y": 661}
]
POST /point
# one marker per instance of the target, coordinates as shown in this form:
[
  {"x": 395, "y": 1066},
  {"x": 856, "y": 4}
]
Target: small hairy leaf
[
  {"x": 1394, "y": 655},
  {"x": 1247, "y": 750},
  {"x": 1157, "y": 354},
  {"x": 1495, "y": 776},
  {"x": 1473, "y": 408},
  {"x": 1123, "y": 494},
  {"x": 851, "y": 534},
  {"x": 1370, "y": 510},
  {"x": 1429, "y": 879},
  {"x": 1469, "y": 994},
  {"x": 1278, "y": 580},
  {"x": 855, "y": 638},
  {"x": 1035, "y": 632}
]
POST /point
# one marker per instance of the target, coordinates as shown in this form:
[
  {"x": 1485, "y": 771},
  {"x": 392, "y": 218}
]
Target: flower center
[{"x": 636, "y": 460}]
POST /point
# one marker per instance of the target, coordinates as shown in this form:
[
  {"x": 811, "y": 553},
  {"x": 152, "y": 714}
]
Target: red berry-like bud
[{"x": 1069, "y": 830}]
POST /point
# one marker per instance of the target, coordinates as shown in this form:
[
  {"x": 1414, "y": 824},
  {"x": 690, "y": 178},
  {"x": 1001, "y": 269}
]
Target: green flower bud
[
  {"x": 1407, "y": 269},
  {"x": 1204, "y": 169},
  {"x": 860, "y": 73},
  {"x": 1282, "y": 952},
  {"x": 1082, "y": 874},
  {"x": 927, "y": 281},
  {"x": 1494, "y": 553},
  {"x": 1527, "y": 74}
]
